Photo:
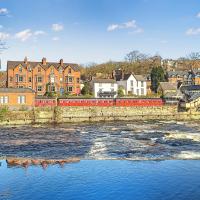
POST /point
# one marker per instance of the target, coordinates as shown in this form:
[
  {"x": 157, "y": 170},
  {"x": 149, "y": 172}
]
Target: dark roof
[
  {"x": 126, "y": 76},
  {"x": 13, "y": 64},
  {"x": 190, "y": 88},
  {"x": 177, "y": 73},
  {"x": 16, "y": 90},
  {"x": 104, "y": 81}
]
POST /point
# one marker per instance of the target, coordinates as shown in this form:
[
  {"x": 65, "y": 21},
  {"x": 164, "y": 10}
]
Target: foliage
[
  {"x": 86, "y": 90},
  {"x": 120, "y": 92},
  {"x": 3, "y": 112},
  {"x": 135, "y": 56},
  {"x": 157, "y": 76}
]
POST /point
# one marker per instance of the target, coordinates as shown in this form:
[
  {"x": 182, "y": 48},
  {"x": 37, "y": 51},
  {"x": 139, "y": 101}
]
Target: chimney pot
[
  {"x": 25, "y": 60},
  {"x": 61, "y": 62},
  {"x": 44, "y": 61}
]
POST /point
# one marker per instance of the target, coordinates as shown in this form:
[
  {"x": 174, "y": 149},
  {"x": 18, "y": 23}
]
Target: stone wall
[{"x": 94, "y": 114}]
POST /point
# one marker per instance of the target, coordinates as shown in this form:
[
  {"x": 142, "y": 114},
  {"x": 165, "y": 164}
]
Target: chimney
[
  {"x": 44, "y": 61},
  {"x": 26, "y": 60},
  {"x": 61, "y": 62}
]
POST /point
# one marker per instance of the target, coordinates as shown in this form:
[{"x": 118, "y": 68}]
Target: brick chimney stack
[
  {"x": 44, "y": 61},
  {"x": 61, "y": 62},
  {"x": 26, "y": 60}
]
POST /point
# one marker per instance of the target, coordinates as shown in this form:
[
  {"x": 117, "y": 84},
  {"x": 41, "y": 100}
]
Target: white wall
[
  {"x": 105, "y": 87},
  {"x": 136, "y": 88}
]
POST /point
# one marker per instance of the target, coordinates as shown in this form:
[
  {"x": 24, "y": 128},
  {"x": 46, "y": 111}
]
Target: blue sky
[{"x": 84, "y": 31}]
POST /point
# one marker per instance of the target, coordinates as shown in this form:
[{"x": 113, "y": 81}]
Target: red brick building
[{"x": 44, "y": 76}]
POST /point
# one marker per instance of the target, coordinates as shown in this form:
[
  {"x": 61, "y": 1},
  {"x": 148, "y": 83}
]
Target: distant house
[
  {"x": 133, "y": 84},
  {"x": 170, "y": 92},
  {"x": 104, "y": 88},
  {"x": 181, "y": 77},
  {"x": 17, "y": 97}
]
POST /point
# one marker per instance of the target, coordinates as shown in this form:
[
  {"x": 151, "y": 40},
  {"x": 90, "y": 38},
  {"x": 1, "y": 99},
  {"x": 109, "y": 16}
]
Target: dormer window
[
  {"x": 39, "y": 69},
  {"x": 20, "y": 69},
  {"x": 29, "y": 69},
  {"x": 69, "y": 70}
]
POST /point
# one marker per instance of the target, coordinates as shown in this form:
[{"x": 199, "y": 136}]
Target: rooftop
[
  {"x": 16, "y": 90},
  {"x": 168, "y": 86},
  {"x": 43, "y": 63}
]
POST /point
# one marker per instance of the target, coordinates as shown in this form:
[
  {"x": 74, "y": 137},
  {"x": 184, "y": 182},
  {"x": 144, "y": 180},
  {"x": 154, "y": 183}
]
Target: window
[
  {"x": 39, "y": 88},
  {"x": 21, "y": 99},
  {"x": 4, "y": 99},
  {"x": 142, "y": 83},
  {"x": 78, "y": 80},
  {"x": 20, "y": 86},
  {"x": 60, "y": 70},
  {"x": 138, "y": 92},
  {"x": 20, "y": 69},
  {"x": 142, "y": 91},
  {"x": 20, "y": 78},
  {"x": 70, "y": 89},
  {"x": 61, "y": 80},
  {"x": 131, "y": 82},
  {"x": 29, "y": 79},
  {"x": 69, "y": 70},
  {"x": 39, "y": 79},
  {"x": 70, "y": 79},
  {"x": 29, "y": 69},
  {"x": 11, "y": 79},
  {"x": 39, "y": 69}
]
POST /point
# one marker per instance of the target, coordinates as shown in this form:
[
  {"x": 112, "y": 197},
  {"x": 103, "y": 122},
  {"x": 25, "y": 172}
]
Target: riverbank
[{"x": 58, "y": 115}]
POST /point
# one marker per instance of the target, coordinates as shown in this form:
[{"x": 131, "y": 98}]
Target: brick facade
[{"x": 44, "y": 76}]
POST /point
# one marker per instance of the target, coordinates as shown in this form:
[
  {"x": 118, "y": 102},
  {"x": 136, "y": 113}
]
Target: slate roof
[
  {"x": 177, "y": 73},
  {"x": 139, "y": 77},
  {"x": 104, "y": 81},
  {"x": 13, "y": 64},
  {"x": 16, "y": 90},
  {"x": 168, "y": 86},
  {"x": 190, "y": 88}
]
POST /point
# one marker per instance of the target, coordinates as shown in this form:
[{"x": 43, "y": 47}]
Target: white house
[
  {"x": 133, "y": 84},
  {"x": 104, "y": 88}
]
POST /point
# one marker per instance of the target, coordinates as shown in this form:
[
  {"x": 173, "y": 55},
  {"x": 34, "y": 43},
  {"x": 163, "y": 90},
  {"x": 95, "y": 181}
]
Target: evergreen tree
[{"x": 157, "y": 76}]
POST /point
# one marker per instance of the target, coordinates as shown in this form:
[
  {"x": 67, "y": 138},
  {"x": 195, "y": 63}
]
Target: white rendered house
[
  {"x": 133, "y": 84},
  {"x": 105, "y": 88}
]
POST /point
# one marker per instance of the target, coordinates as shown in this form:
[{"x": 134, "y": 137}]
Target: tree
[
  {"x": 135, "y": 56},
  {"x": 120, "y": 91},
  {"x": 86, "y": 90},
  {"x": 157, "y": 76}
]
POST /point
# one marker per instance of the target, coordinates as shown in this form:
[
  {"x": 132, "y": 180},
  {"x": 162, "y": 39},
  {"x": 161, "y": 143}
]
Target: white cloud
[
  {"x": 198, "y": 15},
  {"x": 4, "y": 36},
  {"x": 3, "y": 11},
  {"x": 57, "y": 27},
  {"x": 126, "y": 25},
  {"x": 24, "y": 35},
  {"x": 193, "y": 31},
  {"x": 39, "y": 32},
  {"x": 55, "y": 38}
]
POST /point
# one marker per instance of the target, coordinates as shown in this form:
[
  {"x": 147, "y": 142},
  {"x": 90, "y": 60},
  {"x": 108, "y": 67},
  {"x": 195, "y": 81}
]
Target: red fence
[
  {"x": 99, "y": 102},
  {"x": 45, "y": 102},
  {"x": 111, "y": 102}
]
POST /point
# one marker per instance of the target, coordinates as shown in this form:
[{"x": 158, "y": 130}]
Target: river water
[
  {"x": 118, "y": 140},
  {"x": 119, "y": 160}
]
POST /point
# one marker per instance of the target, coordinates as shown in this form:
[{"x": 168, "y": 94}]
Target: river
[{"x": 118, "y": 160}]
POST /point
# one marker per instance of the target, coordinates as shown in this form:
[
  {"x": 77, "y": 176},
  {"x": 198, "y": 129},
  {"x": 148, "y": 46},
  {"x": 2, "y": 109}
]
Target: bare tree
[{"x": 135, "y": 56}]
